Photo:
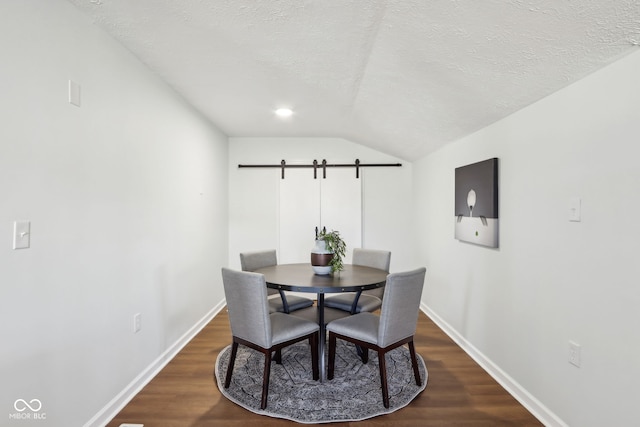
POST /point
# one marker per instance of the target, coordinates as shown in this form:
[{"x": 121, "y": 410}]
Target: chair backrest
[
  {"x": 400, "y": 305},
  {"x": 246, "y": 295},
  {"x": 372, "y": 258},
  {"x": 251, "y": 261}
]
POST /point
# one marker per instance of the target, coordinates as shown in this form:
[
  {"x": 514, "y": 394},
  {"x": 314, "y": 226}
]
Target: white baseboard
[
  {"x": 107, "y": 413},
  {"x": 533, "y": 405}
]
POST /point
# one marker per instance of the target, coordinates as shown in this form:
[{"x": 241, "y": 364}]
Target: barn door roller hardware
[{"x": 324, "y": 165}]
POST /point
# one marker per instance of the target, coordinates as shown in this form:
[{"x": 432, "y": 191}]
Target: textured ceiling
[{"x": 400, "y": 76}]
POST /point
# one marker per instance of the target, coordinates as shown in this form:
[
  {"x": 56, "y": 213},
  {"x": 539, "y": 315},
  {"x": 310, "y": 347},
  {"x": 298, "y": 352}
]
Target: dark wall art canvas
[{"x": 476, "y": 203}]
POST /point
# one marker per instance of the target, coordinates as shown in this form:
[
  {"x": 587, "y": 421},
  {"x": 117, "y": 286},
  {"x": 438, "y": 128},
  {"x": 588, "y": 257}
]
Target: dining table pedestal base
[{"x": 322, "y": 317}]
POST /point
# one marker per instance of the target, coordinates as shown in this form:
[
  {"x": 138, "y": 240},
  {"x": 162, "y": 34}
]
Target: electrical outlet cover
[{"x": 574, "y": 353}]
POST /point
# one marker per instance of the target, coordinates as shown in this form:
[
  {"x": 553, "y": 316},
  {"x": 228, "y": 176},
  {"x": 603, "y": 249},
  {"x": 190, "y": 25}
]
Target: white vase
[{"x": 320, "y": 258}]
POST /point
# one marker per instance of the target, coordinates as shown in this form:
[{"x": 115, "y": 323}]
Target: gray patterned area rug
[{"x": 354, "y": 394}]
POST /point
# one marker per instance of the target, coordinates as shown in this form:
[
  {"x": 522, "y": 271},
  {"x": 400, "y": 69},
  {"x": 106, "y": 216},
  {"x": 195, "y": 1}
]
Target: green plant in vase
[{"x": 335, "y": 245}]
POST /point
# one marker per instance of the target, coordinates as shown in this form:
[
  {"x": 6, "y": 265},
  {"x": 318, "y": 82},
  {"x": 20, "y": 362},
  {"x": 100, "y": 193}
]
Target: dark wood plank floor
[{"x": 459, "y": 392}]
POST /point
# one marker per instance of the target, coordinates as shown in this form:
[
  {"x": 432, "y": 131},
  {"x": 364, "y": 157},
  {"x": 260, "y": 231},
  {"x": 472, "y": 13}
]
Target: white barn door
[
  {"x": 299, "y": 213},
  {"x": 341, "y": 206},
  {"x": 306, "y": 203}
]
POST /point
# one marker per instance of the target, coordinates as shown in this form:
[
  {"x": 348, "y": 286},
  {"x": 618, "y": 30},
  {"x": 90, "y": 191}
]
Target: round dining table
[{"x": 302, "y": 278}]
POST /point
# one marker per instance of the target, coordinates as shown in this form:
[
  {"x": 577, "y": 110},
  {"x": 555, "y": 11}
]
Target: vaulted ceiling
[{"x": 401, "y": 76}]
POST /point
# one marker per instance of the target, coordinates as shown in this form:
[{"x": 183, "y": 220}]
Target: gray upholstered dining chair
[
  {"x": 395, "y": 326},
  {"x": 251, "y": 261},
  {"x": 370, "y": 300},
  {"x": 253, "y": 326}
]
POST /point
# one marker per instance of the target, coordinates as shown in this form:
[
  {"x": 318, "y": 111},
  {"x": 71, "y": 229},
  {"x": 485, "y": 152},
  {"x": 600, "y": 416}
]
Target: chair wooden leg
[
  {"x": 232, "y": 361},
  {"x": 414, "y": 363},
  {"x": 363, "y": 353},
  {"x": 265, "y": 379},
  {"x": 278, "y": 356},
  {"x": 383, "y": 378},
  {"x": 313, "y": 341},
  {"x": 332, "y": 355}
]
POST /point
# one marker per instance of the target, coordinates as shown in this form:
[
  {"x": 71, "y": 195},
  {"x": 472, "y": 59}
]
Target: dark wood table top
[{"x": 301, "y": 278}]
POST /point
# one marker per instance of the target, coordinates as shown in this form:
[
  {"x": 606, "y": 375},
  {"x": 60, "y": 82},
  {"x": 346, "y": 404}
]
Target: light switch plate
[{"x": 21, "y": 234}]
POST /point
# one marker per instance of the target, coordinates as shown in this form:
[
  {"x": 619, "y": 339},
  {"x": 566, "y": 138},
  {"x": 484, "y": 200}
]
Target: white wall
[
  {"x": 126, "y": 197},
  {"x": 551, "y": 280},
  {"x": 127, "y": 200},
  {"x": 253, "y": 194}
]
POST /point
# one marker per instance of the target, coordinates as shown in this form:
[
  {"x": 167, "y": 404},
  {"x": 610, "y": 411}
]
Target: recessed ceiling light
[{"x": 284, "y": 112}]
